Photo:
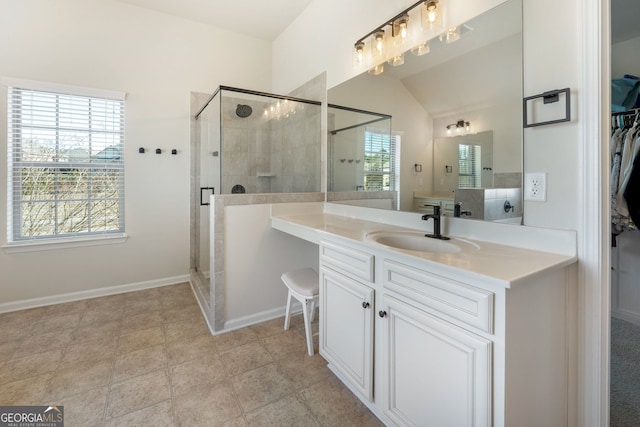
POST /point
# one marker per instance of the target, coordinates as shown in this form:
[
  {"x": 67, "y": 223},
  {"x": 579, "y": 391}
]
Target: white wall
[
  {"x": 254, "y": 264},
  {"x": 157, "y": 59},
  {"x": 552, "y": 61}
]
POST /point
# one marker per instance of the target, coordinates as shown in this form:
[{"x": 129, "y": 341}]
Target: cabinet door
[
  {"x": 435, "y": 373},
  {"x": 346, "y": 328}
]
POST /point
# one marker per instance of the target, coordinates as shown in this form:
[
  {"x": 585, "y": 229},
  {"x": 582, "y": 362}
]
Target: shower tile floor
[{"x": 146, "y": 358}]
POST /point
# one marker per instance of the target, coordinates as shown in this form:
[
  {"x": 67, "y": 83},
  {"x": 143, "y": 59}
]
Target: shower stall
[{"x": 245, "y": 142}]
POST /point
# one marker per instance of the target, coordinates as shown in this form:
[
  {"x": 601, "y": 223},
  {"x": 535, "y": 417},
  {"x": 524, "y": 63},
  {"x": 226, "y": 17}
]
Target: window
[
  {"x": 469, "y": 166},
  {"x": 381, "y": 161},
  {"x": 65, "y": 162}
]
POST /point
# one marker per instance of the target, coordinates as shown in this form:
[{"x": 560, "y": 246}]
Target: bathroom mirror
[{"x": 468, "y": 89}]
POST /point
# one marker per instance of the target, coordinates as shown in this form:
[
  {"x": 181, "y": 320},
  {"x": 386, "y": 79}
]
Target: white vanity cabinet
[
  {"x": 429, "y": 371},
  {"x": 346, "y": 314},
  {"x": 424, "y": 346},
  {"x": 434, "y": 372}
]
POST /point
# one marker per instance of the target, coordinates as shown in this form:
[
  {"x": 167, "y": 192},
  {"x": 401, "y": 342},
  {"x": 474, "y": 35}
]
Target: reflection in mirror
[
  {"x": 363, "y": 158},
  {"x": 469, "y": 90},
  {"x": 462, "y": 162}
]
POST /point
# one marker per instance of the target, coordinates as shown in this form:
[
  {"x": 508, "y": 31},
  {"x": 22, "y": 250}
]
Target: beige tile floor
[{"x": 146, "y": 358}]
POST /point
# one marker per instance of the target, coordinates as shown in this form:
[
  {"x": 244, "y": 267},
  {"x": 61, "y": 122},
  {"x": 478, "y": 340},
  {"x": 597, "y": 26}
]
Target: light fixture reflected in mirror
[
  {"x": 459, "y": 128},
  {"x": 420, "y": 49},
  {"x": 451, "y": 35},
  {"x": 397, "y": 60},
  {"x": 377, "y": 70}
]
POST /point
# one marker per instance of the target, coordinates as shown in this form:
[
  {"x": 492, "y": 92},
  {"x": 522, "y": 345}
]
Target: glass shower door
[{"x": 206, "y": 165}]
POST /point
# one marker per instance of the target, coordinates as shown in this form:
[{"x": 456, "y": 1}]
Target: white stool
[{"x": 303, "y": 285}]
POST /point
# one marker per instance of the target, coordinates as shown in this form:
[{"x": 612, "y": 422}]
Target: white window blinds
[
  {"x": 469, "y": 166},
  {"x": 381, "y": 161},
  {"x": 65, "y": 164}
]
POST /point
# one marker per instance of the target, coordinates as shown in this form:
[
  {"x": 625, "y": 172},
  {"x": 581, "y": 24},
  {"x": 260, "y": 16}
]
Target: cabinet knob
[
  {"x": 382, "y": 313},
  {"x": 365, "y": 304}
]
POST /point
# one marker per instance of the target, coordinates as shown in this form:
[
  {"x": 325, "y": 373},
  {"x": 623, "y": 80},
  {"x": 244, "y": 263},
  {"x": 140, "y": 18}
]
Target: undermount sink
[{"x": 413, "y": 241}]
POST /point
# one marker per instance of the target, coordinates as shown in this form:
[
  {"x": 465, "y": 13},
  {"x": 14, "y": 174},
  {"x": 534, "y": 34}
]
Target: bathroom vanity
[{"x": 464, "y": 333}]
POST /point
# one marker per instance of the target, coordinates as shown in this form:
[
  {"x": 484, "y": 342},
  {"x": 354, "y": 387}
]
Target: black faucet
[
  {"x": 436, "y": 224},
  {"x": 458, "y": 212}
]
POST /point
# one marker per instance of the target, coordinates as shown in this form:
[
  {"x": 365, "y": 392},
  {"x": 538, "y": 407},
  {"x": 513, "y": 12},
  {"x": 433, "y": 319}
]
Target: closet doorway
[{"x": 625, "y": 240}]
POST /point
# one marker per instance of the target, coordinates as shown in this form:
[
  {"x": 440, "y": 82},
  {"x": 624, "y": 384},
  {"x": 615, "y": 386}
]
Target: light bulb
[
  {"x": 359, "y": 52},
  {"x": 431, "y": 16},
  {"x": 378, "y": 42}
]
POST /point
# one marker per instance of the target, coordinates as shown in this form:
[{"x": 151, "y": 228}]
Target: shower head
[{"x": 243, "y": 111}]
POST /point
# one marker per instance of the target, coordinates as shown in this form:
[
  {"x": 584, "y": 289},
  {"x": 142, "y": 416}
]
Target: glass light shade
[
  {"x": 378, "y": 43},
  {"x": 397, "y": 60},
  {"x": 420, "y": 49},
  {"x": 452, "y": 35},
  {"x": 377, "y": 70},
  {"x": 358, "y": 53},
  {"x": 431, "y": 15},
  {"x": 401, "y": 28}
]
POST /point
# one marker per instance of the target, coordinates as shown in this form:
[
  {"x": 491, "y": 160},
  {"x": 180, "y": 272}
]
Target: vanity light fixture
[
  {"x": 411, "y": 30},
  {"x": 458, "y": 128}
]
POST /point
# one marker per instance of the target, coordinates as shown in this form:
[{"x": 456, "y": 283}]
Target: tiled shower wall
[{"x": 265, "y": 154}]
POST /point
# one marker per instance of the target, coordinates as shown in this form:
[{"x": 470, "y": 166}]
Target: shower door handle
[{"x": 202, "y": 202}]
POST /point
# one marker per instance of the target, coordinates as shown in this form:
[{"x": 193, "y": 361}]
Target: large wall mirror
[{"x": 444, "y": 128}]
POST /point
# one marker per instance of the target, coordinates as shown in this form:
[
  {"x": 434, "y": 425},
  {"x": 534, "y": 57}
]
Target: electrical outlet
[{"x": 535, "y": 186}]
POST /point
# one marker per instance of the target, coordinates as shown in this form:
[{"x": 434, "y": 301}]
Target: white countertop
[{"x": 500, "y": 264}]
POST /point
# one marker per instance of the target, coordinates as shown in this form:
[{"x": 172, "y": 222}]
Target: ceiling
[
  {"x": 267, "y": 19},
  {"x": 257, "y": 18}
]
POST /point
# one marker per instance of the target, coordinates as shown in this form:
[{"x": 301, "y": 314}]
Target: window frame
[{"x": 14, "y": 241}]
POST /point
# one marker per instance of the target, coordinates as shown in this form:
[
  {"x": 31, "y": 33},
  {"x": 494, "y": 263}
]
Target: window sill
[{"x": 70, "y": 242}]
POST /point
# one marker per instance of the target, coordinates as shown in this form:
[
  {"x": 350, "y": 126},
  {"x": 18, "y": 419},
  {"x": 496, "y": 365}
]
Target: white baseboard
[
  {"x": 254, "y": 319},
  {"x": 93, "y": 293}
]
